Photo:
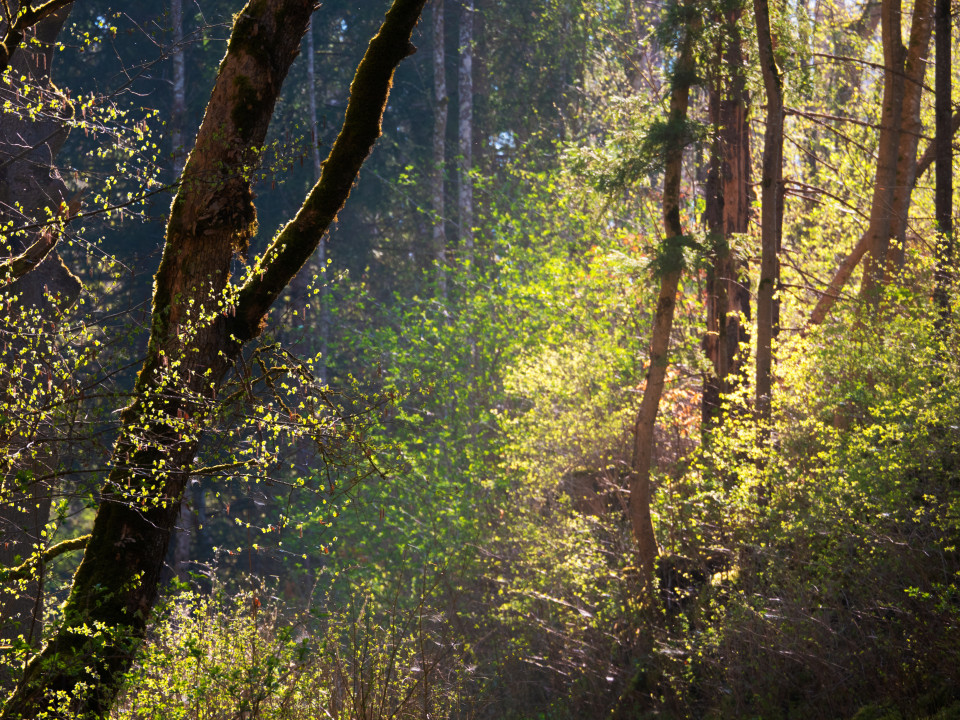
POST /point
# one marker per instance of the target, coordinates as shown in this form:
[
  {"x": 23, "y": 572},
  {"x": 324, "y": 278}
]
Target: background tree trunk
[
  {"x": 944, "y": 178},
  {"x": 465, "y": 132},
  {"x": 440, "y": 112},
  {"x": 771, "y": 211}
]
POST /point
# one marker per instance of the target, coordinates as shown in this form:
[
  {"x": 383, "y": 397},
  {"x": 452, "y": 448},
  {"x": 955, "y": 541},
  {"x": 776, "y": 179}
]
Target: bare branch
[{"x": 26, "y": 18}]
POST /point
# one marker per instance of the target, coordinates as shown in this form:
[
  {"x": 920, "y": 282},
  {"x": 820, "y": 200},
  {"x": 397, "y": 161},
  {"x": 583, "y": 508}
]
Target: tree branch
[
  {"x": 26, "y": 18},
  {"x": 24, "y": 570},
  {"x": 361, "y": 127},
  {"x": 16, "y": 267}
]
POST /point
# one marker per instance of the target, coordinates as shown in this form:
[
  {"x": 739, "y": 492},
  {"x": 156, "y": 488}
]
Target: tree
[
  {"x": 671, "y": 268},
  {"x": 771, "y": 219},
  {"x": 438, "y": 174},
  {"x": 897, "y": 167},
  {"x": 465, "y": 126},
  {"x": 201, "y": 322},
  {"x": 944, "y": 154},
  {"x": 727, "y": 214}
]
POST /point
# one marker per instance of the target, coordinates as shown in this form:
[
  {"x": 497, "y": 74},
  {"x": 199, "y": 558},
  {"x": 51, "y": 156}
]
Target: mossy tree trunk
[
  {"x": 671, "y": 267},
  {"x": 199, "y": 325}
]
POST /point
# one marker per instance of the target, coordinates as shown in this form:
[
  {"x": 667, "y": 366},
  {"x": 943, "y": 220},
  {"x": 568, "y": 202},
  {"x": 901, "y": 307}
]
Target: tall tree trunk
[
  {"x": 31, "y": 192},
  {"x": 914, "y": 69},
  {"x": 771, "y": 211},
  {"x": 178, "y": 110},
  {"x": 672, "y": 267},
  {"x": 890, "y": 207},
  {"x": 440, "y": 112},
  {"x": 465, "y": 133},
  {"x": 211, "y": 221},
  {"x": 728, "y": 294},
  {"x": 944, "y": 179},
  {"x": 881, "y": 209}
]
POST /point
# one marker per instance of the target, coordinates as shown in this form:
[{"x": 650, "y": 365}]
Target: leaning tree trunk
[
  {"x": 671, "y": 268},
  {"x": 890, "y": 207},
  {"x": 198, "y": 329},
  {"x": 727, "y": 291},
  {"x": 770, "y": 212},
  {"x": 40, "y": 288}
]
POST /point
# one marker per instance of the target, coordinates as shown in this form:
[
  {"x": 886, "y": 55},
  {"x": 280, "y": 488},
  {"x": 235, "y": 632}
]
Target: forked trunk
[{"x": 890, "y": 206}]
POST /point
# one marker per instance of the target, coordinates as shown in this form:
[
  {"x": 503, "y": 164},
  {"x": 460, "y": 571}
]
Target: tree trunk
[
  {"x": 913, "y": 71},
  {"x": 944, "y": 174},
  {"x": 881, "y": 209},
  {"x": 728, "y": 295},
  {"x": 672, "y": 266},
  {"x": 178, "y": 110},
  {"x": 771, "y": 211},
  {"x": 465, "y": 134},
  {"x": 890, "y": 208},
  {"x": 195, "y": 338},
  {"x": 440, "y": 111}
]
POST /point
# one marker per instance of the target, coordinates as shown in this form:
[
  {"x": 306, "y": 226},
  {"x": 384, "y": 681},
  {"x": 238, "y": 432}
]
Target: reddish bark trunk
[
  {"x": 728, "y": 295},
  {"x": 640, "y": 489}
]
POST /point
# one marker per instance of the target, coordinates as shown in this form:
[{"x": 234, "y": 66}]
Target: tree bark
[
  {"x": 672, "y": 267},
  {"x": 465, "y": 130},
  {"x": 771, "y": 211},
  {"x": 881, "y": 209},
  {"x": 944, "y": 173},
  {"x": 195, "y": 338},
  {"x": 440, "y": 112},
  {"x": 727, "y": 290}
]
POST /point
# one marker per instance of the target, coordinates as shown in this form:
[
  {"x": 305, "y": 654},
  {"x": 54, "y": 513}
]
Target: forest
[{"x": 479, "y": 360}]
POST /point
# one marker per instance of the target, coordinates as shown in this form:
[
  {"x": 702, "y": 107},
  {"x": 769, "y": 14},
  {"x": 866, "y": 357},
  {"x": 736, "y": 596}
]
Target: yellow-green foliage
[{"x": 222, "y": 656}]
